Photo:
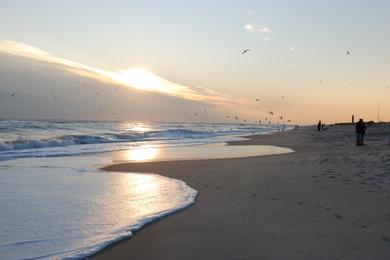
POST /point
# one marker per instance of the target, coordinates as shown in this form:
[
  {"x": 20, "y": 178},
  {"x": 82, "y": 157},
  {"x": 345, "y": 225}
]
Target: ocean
[{"x": 57, "y": 204}]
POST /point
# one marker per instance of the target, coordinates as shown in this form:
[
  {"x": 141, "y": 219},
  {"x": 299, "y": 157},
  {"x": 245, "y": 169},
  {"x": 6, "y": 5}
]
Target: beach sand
[{"x": 328, "y": 200}]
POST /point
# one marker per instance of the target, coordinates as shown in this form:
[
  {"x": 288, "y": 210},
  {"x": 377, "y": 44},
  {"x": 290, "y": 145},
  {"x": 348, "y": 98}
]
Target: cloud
[
  {"x": 256, "y": 29},
  {"x": 249, "y": 27},
  {"x": 133, "y": 77},
  {"x": 264, "y": 29}
]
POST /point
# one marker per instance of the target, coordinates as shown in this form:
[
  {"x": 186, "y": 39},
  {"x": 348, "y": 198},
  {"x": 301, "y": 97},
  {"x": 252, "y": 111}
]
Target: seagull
[
  {"x": 348, "y": 53},
  {"x": 245, "y": 51},
  {"x": 281, "y": 117},
  {"x": 12, "y": 95},
  {"x": 236, "y": 117}
]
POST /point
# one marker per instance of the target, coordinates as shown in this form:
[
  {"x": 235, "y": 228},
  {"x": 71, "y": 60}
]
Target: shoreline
[{"x": 289, "y": 206}]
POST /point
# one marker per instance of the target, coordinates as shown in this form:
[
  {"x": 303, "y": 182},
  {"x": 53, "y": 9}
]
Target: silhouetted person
[
  {"x": 360, "y": 131},
  {"x": 319, "y": 126}
]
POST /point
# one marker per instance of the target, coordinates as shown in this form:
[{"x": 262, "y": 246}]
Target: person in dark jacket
[{"x": 360, "y": 131}]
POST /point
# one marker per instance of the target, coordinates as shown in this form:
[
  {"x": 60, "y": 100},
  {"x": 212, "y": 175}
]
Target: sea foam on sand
[{"x": 50, "y": 210}]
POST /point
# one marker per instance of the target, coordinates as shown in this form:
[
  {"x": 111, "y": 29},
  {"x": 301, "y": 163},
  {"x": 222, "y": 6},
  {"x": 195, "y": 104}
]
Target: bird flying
[{"x": 245, "y": 51}]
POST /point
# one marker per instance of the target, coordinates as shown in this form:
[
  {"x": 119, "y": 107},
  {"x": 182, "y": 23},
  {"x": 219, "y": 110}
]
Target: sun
[
  {"x": 140, "y": 79},
  {"x": 145, "y": 80}
]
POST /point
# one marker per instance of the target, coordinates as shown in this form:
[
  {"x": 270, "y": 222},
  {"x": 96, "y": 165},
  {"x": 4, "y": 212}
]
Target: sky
[{"x": 182, "y": 60}]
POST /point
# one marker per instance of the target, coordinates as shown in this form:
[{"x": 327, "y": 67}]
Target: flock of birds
[
  {"x": 267, "y": 119},
  {"x": 245, "y": 51},
  {"x": 56, "y": 98}
]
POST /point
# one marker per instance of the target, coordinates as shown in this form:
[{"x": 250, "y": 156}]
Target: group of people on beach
[
  {"x": 321, "y": 126},
  {"x": 360, "y": 130}
]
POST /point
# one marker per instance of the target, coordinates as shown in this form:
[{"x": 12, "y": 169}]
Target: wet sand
[{"x": 328, "y": 200}]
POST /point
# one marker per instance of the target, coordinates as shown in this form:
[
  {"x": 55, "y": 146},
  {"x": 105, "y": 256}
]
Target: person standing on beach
[
  {"x": 360, "y": 131},
  {"x": 319, "y": 126}
]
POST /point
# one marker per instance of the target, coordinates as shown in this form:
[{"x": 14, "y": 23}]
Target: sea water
[{"x": 56, "y": 203}]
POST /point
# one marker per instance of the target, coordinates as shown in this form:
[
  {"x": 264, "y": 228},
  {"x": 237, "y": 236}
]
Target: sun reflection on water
[
  {"x": 139, "y": 127},
  {"x": 142, "y": 153}
]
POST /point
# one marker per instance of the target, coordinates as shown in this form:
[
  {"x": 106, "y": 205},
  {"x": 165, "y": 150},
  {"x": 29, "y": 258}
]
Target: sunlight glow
[
  {"x": 140, "y": 79},
  {"x": 139, "y": 127},
  {"x": 142, "y": 153},
  {"x": 136, "y": 78}
]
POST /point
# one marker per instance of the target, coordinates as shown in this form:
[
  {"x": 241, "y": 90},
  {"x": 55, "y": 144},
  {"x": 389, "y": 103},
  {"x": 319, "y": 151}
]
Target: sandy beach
[{"x": 328, "y": 200}]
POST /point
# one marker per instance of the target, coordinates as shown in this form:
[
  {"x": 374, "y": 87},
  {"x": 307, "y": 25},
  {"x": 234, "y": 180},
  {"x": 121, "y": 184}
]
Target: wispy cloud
[
  {"x": 249, "y": 27},
  {"x": 256, "y": 29},
  {"x": 133, "y": 77}
]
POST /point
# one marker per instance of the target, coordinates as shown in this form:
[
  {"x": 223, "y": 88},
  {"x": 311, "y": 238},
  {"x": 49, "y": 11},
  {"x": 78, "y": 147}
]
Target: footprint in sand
[
  {"x": 321, "y": 207},
  {"x": 384, "y": 237}
]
